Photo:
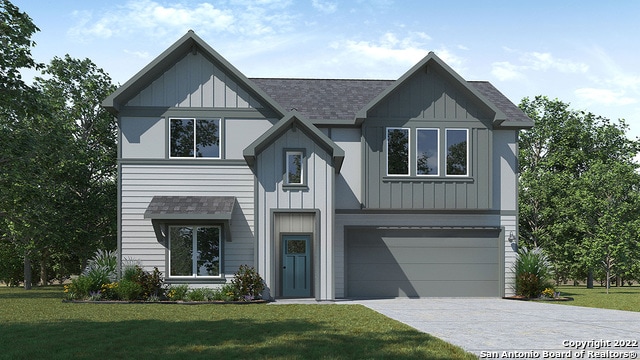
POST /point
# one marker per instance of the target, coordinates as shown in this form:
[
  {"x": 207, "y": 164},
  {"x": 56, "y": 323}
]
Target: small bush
[
  {"x": 201, "y": 294},
  {"x": 177, "y": 292},
  {"x": 128, "y": 290},
  {"x": 248, "y": 283},
  {"x": 533, "y": 273}
]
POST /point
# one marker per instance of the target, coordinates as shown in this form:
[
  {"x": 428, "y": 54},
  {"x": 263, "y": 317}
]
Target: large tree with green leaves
[{"x": 564, "y": 161}]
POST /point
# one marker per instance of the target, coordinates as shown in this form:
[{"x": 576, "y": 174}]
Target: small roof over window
[{"x": 190, "y": 208}]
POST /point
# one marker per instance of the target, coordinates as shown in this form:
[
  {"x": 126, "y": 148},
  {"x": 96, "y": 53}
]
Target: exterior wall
[
  {"x": 506, "y": 195},
  {"x": 195, "y": 82},
  {"x": 140, "y": 183},
  {"x": 239, "y": 133},
  {"x": 143, "y": 137},
  {"x": 317, "y": 196},
  {"x": 349, "y": 181},
  {"x": 428, "y": 99},
  {"x": 427, "y": 192}
]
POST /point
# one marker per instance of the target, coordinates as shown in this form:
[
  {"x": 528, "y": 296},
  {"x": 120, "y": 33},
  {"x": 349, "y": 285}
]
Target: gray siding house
[{"x": 329, "y": 188}]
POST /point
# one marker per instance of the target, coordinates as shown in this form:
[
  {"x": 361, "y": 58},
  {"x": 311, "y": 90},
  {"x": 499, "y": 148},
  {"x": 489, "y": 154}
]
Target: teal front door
[{"x": 296, "y": 266}]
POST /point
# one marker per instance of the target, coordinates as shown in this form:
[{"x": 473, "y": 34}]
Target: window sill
[
  {"x": 203, "y": 280},
  {"x": 291, "y": 187},
  {"x": 427, "y": 179}
]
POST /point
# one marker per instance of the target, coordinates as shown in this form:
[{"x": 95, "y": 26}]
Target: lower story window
[{"x": 194, "y": 251}]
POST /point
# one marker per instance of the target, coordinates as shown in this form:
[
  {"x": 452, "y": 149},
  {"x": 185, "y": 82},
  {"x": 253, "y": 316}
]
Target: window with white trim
[
  {"x": 194, "y": 138},
  {"x": 398, "y": 151},
  {"x": 427, "y": 151},
  {"x": 457, "y": 160},
  {"x": 294, "y": 167},
  {"x": 194, "y": 251}
]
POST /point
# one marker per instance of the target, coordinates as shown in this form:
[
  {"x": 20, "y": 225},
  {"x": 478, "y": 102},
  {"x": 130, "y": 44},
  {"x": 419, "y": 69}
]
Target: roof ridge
[{"x": 332, "y": 79}]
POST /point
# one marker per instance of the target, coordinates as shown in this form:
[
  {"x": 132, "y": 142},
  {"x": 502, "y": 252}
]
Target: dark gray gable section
[
  {"x": 294, "y": 118},
  {"x": 432, "y": 60},
  {"x": 323, "y": 100},
  {"x": 189, "y": 43},
  {"x": 190, "y": 208}
]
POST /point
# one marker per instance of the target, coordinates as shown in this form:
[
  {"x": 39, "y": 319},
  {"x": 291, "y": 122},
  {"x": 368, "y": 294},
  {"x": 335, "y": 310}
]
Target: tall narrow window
[
  {"x": 397, "y": 151},
  {"x": 294, "y": 168},
  {"x": 457, "y": 151},
  {"x": 427, "y": 152},
  {"x": 194, "y": 138},
  {"x": 194, "y": 251}
]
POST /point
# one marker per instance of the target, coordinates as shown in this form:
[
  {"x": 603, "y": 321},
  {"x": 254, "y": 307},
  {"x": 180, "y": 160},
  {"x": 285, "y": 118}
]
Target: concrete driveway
[{"x": 492, "y": 328}]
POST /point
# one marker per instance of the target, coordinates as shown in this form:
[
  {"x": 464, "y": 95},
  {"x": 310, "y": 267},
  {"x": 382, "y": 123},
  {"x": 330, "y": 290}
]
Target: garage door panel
[
  {"x": 384, "y": 289},
  {"x": 420, "y": 272},
  {"x": 425, "y": 255},
  {"x": 394, "y": 262}
]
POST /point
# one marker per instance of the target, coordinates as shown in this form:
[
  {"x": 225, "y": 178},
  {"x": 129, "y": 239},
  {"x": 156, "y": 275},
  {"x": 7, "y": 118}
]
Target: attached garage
[{"x": 392, "y": 262}]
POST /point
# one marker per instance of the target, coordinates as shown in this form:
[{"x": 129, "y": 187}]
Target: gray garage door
[{"x": 423, "y": 263}]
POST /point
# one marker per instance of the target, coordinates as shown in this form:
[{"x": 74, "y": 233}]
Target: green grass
[
  {"x": 619, "y": 298},
  {"x": 36, "y": 324}
]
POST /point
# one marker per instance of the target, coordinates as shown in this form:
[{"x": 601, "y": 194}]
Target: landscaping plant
[
  {"x": 533, "y": 273},
  {"x": 248, "y": 283}
]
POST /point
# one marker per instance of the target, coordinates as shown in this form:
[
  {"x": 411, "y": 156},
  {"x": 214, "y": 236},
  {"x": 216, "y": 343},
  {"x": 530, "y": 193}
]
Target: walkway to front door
[{"x": 296, "y": 266}]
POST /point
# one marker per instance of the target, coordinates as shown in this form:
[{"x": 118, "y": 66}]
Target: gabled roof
[
  {"x": 190, "y": 42},
  {"x": 337, "y": 101},
  {"x": 294, "y": 118},
  {"x": 432, "y": 60}
]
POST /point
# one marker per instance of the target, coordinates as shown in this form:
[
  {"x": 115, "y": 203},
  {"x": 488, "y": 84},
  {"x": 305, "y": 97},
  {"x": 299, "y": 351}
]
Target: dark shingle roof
[
  {"x": 340, "y": 99},
  {"x": 323, "y": 99},
  {"x": 191, "y": 207}
]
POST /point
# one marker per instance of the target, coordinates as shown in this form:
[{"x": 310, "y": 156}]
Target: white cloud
[
  {"x": 389, "y": 47},
  {"x": 535, "y": 62},
  {"x": 504, "y": 71},
  {"x": 154, "y": 19},
  {"x": 604, "y": 96},
  {"x": 138, "y": 54},
  {"x": 326, "y": 7}
]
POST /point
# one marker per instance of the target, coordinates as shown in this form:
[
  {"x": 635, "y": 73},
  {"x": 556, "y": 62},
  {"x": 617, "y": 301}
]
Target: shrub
[
  {"x": 177, "y": 292},
  {"x": 103, "y": 264},
  {"x": 201, "y": 294},
  {"x": 248, "y": 283},
  {"x": 150, "y": 283},
  {"x": 129, "y": 290},
  {"x": 533, "y": 273}
]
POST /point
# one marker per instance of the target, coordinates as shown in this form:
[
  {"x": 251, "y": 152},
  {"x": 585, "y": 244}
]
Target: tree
[{"x": 560, "y": 158}]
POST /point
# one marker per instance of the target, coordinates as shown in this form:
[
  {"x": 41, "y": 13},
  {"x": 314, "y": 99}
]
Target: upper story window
[
  {"x": 457, "y": 151},
  {"x": 194, "y": 138},
  {"x": 397, "y": 151},
  {"x": 295, "y": 167},
  {"x": 427, "y": 149}
]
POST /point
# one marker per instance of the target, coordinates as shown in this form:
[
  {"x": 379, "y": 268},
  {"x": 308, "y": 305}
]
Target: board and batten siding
[
  {"x": 428, "y": 99},
  {"x": 195, "y": 82},
  {"x": 428, "y": 192},
  {"x": 317, "y": 196},
  {"x": 139, "y": 183}
]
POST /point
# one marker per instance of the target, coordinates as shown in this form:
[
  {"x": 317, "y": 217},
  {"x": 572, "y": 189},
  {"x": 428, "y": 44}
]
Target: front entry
[{"x": 296, "y": 266}]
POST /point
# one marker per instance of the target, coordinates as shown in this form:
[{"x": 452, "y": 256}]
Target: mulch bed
[
  {"x": 522, "y": 298},
  {"x": 166, "y": 302}
]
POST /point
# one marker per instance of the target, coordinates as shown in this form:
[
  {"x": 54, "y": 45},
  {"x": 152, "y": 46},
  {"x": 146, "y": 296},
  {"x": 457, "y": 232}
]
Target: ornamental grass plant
[{"x": 533, "y": 273}]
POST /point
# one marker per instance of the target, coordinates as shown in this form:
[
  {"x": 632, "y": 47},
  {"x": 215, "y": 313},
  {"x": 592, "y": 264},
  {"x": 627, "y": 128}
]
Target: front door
[{"x": 296, "y": 266}]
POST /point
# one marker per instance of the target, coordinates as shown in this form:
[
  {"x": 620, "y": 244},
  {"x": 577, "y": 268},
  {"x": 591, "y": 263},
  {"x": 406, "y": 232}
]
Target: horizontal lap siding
[{"x": 139, "y": 183}]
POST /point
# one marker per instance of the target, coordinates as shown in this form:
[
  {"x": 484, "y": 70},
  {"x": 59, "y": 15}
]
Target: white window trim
[
  {"x": 437, "y": 147},
  {"x": 194, "y": 263},
  {"x": 386, "y": 136},
  {"x": 195, "y": 138},
  {"x": 446, "y": 149},
  {"x": 302, "y": 167}
]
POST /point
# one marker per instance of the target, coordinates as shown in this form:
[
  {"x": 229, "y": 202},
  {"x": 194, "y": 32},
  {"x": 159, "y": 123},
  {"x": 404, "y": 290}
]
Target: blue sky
[{"x": 582, "y": 52}]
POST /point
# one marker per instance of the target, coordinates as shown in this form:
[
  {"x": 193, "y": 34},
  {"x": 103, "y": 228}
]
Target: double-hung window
[
  {"x": 427, "y": 150},
  {"x": 194, "y": 251},
  {"x": 457, "y": 160},
  {"x": 194, "y": 138},
  {"x": 397, "y": 151}
]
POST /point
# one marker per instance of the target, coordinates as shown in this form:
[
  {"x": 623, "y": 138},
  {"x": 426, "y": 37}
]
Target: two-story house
[{"x": 329, "y": 188}]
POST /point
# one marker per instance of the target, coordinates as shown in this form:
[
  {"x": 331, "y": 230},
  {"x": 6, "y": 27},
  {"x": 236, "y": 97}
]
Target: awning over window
[{"x": 190, "y": 208}]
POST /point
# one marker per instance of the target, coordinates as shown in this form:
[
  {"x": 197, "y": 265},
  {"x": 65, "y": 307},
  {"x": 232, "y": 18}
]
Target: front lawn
[
  {"x": 36, "y": 324},
  {"x": 619, "y": 298}
]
